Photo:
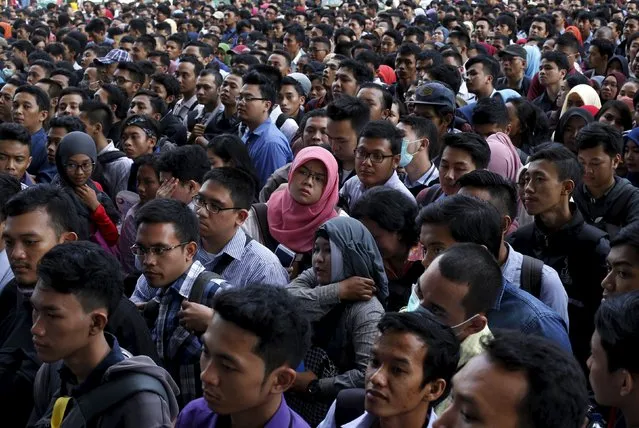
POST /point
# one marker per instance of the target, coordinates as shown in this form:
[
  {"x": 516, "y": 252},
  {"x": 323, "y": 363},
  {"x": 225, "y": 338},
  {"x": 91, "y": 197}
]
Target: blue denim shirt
[
  {"x": 516, "y": 309},
  {"x": 268, "y": 149}
]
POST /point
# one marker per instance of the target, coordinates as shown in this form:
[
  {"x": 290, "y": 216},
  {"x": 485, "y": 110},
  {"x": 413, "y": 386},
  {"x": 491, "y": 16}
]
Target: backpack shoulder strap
[
  {"x": 261, "y": 215},
  {"x": 280, "y": 120},
  {"x": 431, "y": 195},
  {"x": 530, "y": 277},
  {"x": 197, "y": 291},
  {"x": 226, "y": 260},
  {"x": 349, "y": 405},
  {"x": 99, "y": 400}
]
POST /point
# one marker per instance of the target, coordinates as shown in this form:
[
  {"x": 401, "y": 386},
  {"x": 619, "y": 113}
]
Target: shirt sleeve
[
  {"x": 553, "y": 293},
  {"x": 142, "y": 293},
  {"x": 318, "y": 300},
  {"x": 105, "y": 226}
]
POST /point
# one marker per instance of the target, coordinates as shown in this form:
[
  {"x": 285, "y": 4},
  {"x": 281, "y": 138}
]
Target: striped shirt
[{"x": 178, "y": 348}]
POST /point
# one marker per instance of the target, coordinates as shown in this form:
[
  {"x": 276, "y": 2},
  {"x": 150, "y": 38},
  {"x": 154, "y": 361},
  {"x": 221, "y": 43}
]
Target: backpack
[
  {"x": 261, "y": 215},
  {"x": 152, "y": 307},
  {"x": 530, "y": 276},
  {"x": 280, "y": 120}
]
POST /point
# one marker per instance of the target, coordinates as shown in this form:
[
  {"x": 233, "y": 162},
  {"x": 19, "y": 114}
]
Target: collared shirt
[
  {"x": 430, "y": 176},
  {"x": 40, "y": 167},
  {"x": 200, "y": 113},
  {"x": 522, "y": 86},
  {"x": 365, "y": 421},
  {"x": 116, "y": 173},
  {"x": 252, "y": 263},
  {"x": 553, "y": 293},
  {"x": 516, "y": 309},
  {"x": 179, "y": 349},
  {"x": 6, "y": 274},
  {"x": 197, "y": 414},
  {"x": 26, "y": 181},
  {"x": 354, "y": 189},
  {"x": 289, "y": 127},
  {"x": 545, "y": 103},
  {"x": 183, "y": 107},
  {"x": 268, "y": 148},
  {"x": 230, "y": 36},
  {"x": 299, "y": 55}
]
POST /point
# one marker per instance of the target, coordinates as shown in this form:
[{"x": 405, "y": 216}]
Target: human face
[
  {"x": 573, "y": 126},
  {"x": 90, "y": 79},
  {"x": 613, "y": 118},
  {"x": 291, "y": 45},
  {"x": 315, "y": 131},
  {"x": 184, "y": 191},
  {"x": 538, "y": 29},
  {"x": 35, "y": 74},
  {"x": 321, "y": 260},
  {"x": 599, "y": 167},
  {"x": 122, "y": 78},
  {"x": 430, "y": 112},
  {"x": 87, "y": 58},
  {"x": 389, "y": 243},
  {"x": 69, "y": 105},
  {"x": 206, "y": 90},
  {"x": 623, "y": 271},
  {"x": 476, "y": 78},
  {"x": 27, "y": 113},
  {"x": 395, "y": 374},
  {"x": 318, "y": 51},
  {"x": 388, "y": 45},
  {"x": 219, "y": 227},
  {"x": 215, "y": 160},
  {"x": 345, "y": 83},
  {"x": 186, "y": 77},
  {"x": 472, "y": 407},
  {"x": 54, "y": 137},
  {"x": 435, "y": 239},
  {"x": 79, "y": 168},
  {"x": 102, "y": 96},
  {"x": 543, "y": 191},
  {"x": 574, "y": 100},
  {"x": 513, "y": 66},
  {"x": 438, "y": 36},
  {"x": 629, "y": 89},
  {"x": 159, "y": 89},
  {"x": 549, "y": 45},
  {"x": 481, "y": 30},
  {"x": 609, "y": 88},
  {"x": 453, "y": 164},
  {"x": 370, "y": 173},
  {"x": 515, "y": 123},
  {"x": 6, "y": 100},
  {"x": 343, "y": 139},
  {"x": 230, "y": 89},
  {"x": 14, "y": 158},
  {"x": 290, "y": 100},
  {"x": 549, "y": 73},
  {"x": 374, "y": 98},
  {"x": 569, "y": 52},
  {"x": 234, "y": 378},
  {"x": 488, "y": 129},
  {"x": 27, "y": 238},
  {"x": 594, "y": 57},
  {"x": 405, "y": 67},
  {"x": 135, "y": 142},
  {"x": 328, "y": 75},
  {"x": 141, "y": 104},
  {"x": 605, "y": 384},
  {"x": 631, "y": 156},
  {"x": 308, "y": 182},
  {"x": 255, "y": 110},
  {"x": 630, "y": 27},
  {"x": 584, "y": 26},
  {"x": 148, "y": 183},
  {"x": 173, "y": 49},
  {"x": 162, "y": 270},
  {"x": 633, "y": 49}
]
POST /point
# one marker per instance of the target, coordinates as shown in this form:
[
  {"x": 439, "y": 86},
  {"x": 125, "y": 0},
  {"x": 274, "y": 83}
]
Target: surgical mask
[
  {"x": 456, "y": 328},
  {"x": 406, "y": 156},
  {"x": 8, "y": 72}
]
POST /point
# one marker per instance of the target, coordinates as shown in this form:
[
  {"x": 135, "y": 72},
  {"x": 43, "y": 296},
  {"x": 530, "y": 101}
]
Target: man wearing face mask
[{"x": 419, "y": 146}]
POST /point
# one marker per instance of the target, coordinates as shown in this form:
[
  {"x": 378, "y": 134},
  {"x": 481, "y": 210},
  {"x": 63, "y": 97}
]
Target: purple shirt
[{"x": 197, "y": 414}]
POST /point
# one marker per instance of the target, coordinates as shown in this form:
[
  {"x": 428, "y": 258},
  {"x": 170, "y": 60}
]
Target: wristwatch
[{"x": 313, "y": 387}]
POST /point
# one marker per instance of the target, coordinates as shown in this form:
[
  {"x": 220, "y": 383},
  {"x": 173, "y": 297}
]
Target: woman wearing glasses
[{"x": 75, "y": 160}]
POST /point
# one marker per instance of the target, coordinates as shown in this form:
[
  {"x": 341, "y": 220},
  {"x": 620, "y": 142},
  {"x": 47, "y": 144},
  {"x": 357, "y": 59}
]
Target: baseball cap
[
  {"x": 633, "y": 136},
  {"x": 435, "y": 93},
  {"x": 218, "y": 15},
  {"x": 302, "y": 80},
  {"x": 115, "y": 55},
  {"x": 514, "y": 50}
]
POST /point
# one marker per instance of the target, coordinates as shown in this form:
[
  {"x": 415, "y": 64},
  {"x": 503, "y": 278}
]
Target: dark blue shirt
[
  {"x": 268, "y": 148},
  {"x": 40, "y": 167}
]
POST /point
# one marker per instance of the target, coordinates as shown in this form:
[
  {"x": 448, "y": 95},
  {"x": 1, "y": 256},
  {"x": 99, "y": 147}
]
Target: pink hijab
[{"x": 293, "y": 224}]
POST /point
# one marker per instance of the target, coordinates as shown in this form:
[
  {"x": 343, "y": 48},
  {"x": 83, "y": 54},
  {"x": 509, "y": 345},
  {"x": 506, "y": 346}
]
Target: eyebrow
[
  {"x": 50, "y": 308},
  {"x": 214, "y": 200},
  {"x": 227, "y": 357}
]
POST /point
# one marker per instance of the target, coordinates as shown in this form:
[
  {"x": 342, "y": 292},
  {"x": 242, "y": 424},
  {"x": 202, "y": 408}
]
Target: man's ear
[
  {"x": 283, "y": 378},
  {"x": 433, "y": 390},
  {"x": 568, "y": 187},
  {"x": 68, "y": 237}
]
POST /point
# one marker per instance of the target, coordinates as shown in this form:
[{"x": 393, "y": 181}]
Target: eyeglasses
[
  {"x": 375, "y": 157},
  {"x": 73, "y": 167},
  {"x": 242, "y": 98},
  {"x": 200, "y": 202},
  {"x": 140, "y": 251},
  {"x": 122, "y": 80},
  {"x": 315, "y": 177}
]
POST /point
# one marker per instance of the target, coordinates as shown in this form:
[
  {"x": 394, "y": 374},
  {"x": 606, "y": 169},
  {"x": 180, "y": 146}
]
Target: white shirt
[{"x": 365, "y": 421}]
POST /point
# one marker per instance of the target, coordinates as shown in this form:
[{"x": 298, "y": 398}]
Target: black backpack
[{"x": 530, "y": 276}]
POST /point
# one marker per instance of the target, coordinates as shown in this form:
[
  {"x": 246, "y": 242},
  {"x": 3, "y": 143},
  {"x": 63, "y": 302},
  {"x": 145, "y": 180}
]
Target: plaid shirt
[{"x": 179, "y": 349}]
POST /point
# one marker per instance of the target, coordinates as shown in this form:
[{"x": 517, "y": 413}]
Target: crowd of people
[{"x": 308, "y": 213}]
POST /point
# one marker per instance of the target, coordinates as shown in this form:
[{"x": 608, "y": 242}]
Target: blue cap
[
  {"x": 633, "y": 136},
  {"x": 435, "y": 93}
]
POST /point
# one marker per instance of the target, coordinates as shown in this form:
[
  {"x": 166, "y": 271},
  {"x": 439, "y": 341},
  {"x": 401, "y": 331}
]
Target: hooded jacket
[
  {"x": 624, "y": 65},
  {"x": 577, "y": 251},
  {"x": 143, "y": 409},
  {"x": 563, "y": 122},
  {"x": 617, "y": 208}
]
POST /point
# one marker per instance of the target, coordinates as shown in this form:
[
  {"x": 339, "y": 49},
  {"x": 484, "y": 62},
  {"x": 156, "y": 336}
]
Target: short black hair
[
  {"x": 600, "y": 134},
  {"x": 617, "y": 322},
  {"x": 605, "y": 47},
  {"x": 349, "y": 108},
  {"x": 471, "y": 264},
  {"x": 503, "y": 193},
  {"x": 98, "y": 112},
  {"x": 72, "y": 44},
  {"x": 468, "y": 219},
  {"x": 387, "y": 98},
  {"x": 491, "y": 110},
  {"x": 85, "y": 270},
  {"x": 565, "y": 162},
  {"x": 204, "y": 49},
  {"x": 407, "y": 49},
  {"x": 384, "y": 130},
  {"x": 568, "y": 40},
  {"x": 297, "y": 31},
  {"x": 137, "y": 75},
  {"x": 116, "y": 97},
  {"x": 147, "y": 41},
  {"x": 157, "y": 104},
  {"x": 559, "y": 58},
  {"x": 9, "y": 186},
  {"x": 186, "y": 163},
  {"x": 271, "y": 314},
  {"x": 70, "y": 123},
  {"x": 490, "y": 64},
  {"x": 391, "y": 210},
  {"x": 14, "y": 132},
  {"x": 170, "y": 83},
  {"x": 414, "y": 30},
  {"x": 627, "y": 235},
  {"x": 173, "y": 212},
  {"x": 361, "y": 72},
  {"x": 23, "y": 46},
  {"x": 267, "y": 88},
  {"x": 424, "y": 128},
  {"x": 41, "y": 97},
  {"x": 557, "y": 396},
  {"x": 59, "y": 207},
  {"x": 471, "y": 143},
  {"x": 446, "y": 73},
  {"x": 442, "y": 354},
  {"x": 625, "y": 114},
  {"x": 96, "y": 25},
  {"x": 369, "y": 57},
  {"x": 239, "y": 183},
  {"x": 45, "y": 65},
  {"x": 290, "y": 81}
]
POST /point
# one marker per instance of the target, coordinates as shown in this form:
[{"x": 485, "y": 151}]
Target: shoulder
[{"x": 196, "y": 413}]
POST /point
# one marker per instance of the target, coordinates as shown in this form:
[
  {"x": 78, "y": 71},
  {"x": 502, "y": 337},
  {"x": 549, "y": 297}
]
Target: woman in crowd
[
  {"x": 529, "y": 126},
  {"x": 611, "y": 85},
  {"x": 578, "y": 96},
  {"x": 570, "y": 124},
  {"x": 615, "y": 113},
  {"x": 229, "y": 150}
]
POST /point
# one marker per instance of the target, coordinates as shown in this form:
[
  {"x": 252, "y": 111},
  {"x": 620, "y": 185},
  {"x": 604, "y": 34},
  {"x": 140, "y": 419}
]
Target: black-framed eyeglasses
[
  {"x": 140, "y": 251},
  {"x": 73, "y": 167},
  {"x": 248, "y": 99},
  {"x": 200, "y": 202},
  {"x": 375, "y": 157}
]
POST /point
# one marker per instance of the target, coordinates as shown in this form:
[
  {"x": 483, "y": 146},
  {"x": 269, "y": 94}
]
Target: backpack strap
[
  {"x": 261, "y": 215},
  {"x": 530, "y": 276},
  {"x": 280, "y": 120},
  {"x": 96, "y": 402},
  {"x": 197, "y": 291},
  {"x": 226, "y": 260},
  {"x": 433, "y": 192},
  {"x": 349, "y": 405},
  {"x": 108, "y": 157}
]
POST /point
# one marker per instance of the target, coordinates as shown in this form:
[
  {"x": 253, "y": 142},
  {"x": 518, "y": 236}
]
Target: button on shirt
[
  {"x": 197, "y": 414},
  {"x": 353, "y": 189},
  {"x": 252, "y": 263},
  {"x": 552, "y": 293},
  {"x": 268, "y": 149}
]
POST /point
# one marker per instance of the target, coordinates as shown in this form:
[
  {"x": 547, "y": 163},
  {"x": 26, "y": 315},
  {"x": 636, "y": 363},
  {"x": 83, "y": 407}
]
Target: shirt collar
[
  {"x": 367, "y": 420},
  {"x": 185, "y": 282},
  {"x": 393, "y": 180},
  {"x": 509, "y": 268},
  {"x": 500, "y": 296},
  {"x": 429, "y": 175},
  {"x": 260, "y": 129},
  {"x": 110, "y": 147}
]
